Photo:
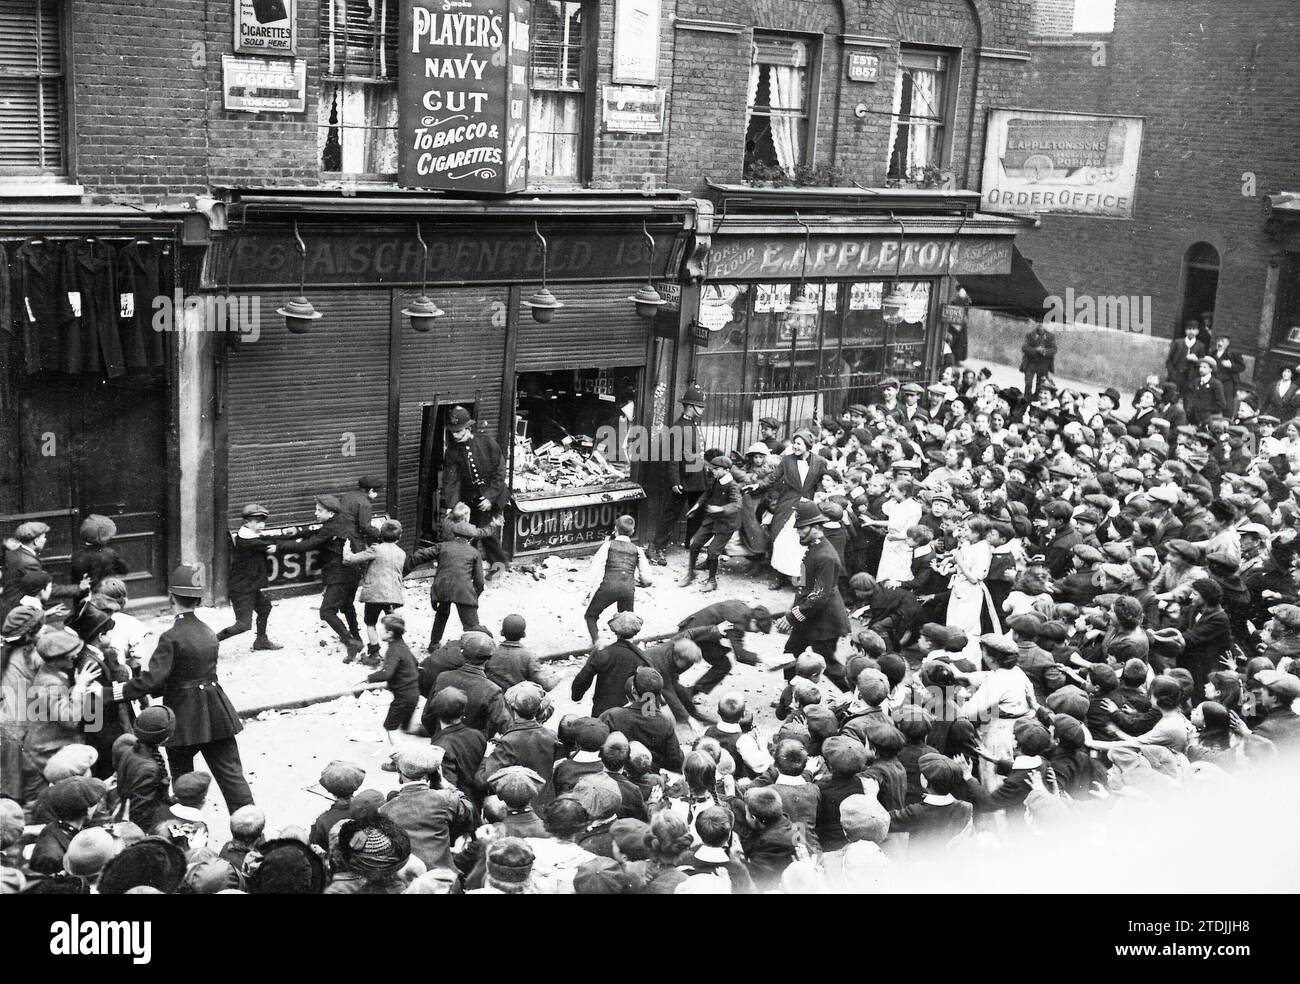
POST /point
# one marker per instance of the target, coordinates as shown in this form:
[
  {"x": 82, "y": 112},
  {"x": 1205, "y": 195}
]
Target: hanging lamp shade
[
  {"x": 298, "y": 314},
  {"x": 647, "y": 301},
  {"x": 423, "y": 312},
  {"x": 543, "y": 304}
]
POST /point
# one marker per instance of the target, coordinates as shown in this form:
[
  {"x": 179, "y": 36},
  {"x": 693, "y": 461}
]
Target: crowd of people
[{"x": 1006, "y": 607}]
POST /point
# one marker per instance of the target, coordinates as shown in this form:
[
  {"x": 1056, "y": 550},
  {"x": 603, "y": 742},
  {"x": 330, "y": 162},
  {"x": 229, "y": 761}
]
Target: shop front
[
  {"x": 365, "y": 391},
  {"x": 876, "y": 281},
  {"x": 87, "y": 380}
]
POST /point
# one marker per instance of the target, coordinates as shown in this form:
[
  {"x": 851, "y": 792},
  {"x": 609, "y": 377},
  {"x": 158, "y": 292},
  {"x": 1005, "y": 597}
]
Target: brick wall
[
  {"x": 712, "y": 71},
  {"x": 1053, "y": 17},
  {"x": 1218, "y": 95}
]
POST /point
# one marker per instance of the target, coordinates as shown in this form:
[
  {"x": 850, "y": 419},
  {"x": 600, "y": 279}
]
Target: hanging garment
[
  {"x": 100, "y": 345},
  {"x": 44, "y": 277},
  {"x": 140, "y": 278}
]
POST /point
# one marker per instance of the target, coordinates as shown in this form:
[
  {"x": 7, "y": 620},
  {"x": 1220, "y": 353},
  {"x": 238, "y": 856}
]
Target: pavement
[{"x": 284, "y": 751}]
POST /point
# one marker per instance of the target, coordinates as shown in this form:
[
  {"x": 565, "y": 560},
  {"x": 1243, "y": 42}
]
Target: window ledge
[{"x": 18, "y": 188}]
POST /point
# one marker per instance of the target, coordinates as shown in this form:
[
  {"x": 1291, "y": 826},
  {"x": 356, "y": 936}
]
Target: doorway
[
  {"x": 1200, "y": 288},
  {"x": 95, "y": 446},
  {"x": 433, "y": 448}
]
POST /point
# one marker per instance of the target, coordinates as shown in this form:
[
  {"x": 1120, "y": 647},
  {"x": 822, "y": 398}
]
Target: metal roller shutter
[
  {"x": 461, "y": 360},
  {"x": 292, "y": 401},
  {"x": 597, "y": 328}
]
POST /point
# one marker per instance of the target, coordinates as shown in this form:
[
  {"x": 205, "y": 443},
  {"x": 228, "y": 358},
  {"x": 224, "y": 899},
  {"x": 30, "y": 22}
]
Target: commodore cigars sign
[{"x": 463, "y": 100}]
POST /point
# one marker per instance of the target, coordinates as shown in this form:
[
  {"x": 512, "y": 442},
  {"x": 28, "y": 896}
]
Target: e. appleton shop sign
[
  {"x": 463, "y": 95},
  {"x": 1066, "y": 163}
]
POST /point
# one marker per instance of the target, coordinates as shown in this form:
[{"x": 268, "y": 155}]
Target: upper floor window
[
  {"x": 559, "y": 101},
  {"x": 918, "y": 129},
  {"x": 776, "y": 134},
  {"x": 33, "y": 89},
  {"x": 357, "y": 119}
]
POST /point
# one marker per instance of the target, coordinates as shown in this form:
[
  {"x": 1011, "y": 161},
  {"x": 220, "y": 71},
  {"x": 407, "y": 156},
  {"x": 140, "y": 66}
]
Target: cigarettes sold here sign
[
  {"x": 463, "y": 95},
  {"x": 266, "y": 27}
]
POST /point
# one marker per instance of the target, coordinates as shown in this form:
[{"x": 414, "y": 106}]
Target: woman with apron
[
  {"x": 1003, "y": 695},
  {"x": 968, "y": 593},
  {"x": 903, "y": 512}
]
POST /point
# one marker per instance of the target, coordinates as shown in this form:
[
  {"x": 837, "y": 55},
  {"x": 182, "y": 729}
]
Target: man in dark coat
[
  {"x": 1059, "y": 538},
  {"x": 893, "y": 612},
  {"x": 1204, "y": 397},
  {"x": 484, "y": 708},
  {"x": 683, "y": 473},
  {"x": 732, "y": 619},
  {"x": 1185, "y": 352},
  {"x": 339, "y": 579},
  {"x": 1037, "y": 358},
  {"x": 817, "y": 619},
  {"x": 612, "y": 667},
  {"x": 183, "y": 670},
  {"x": 474, "y": 472}
]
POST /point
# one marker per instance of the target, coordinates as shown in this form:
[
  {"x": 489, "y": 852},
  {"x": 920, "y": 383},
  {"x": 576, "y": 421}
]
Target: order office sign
[{"x": 463, "y": 100}]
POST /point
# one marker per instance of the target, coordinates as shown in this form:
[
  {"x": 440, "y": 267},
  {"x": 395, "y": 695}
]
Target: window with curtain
[
  {"x": 33, "y": 93},
  {"x": 357, "y": 120},
  {"x": 920, "y": 116},
  {"x": 557, "y": 105},
  {"x": 777, "y": 129}
]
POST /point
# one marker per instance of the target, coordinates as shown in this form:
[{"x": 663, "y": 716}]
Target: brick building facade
[
  {"x": 133, "y": 139},
  {"x": 1216, "y": 85}
]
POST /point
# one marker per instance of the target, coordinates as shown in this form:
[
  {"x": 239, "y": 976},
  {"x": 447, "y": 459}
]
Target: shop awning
[{"x": 1017, "y": 292}]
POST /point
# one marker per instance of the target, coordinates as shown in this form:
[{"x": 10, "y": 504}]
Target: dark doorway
[
  {"x": 94, "y": 446},
  {"x": 1200, "y": 286},
  {"x": 433, "y": 446}
]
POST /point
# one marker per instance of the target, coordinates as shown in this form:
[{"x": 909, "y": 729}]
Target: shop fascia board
[{"x": 979, "y": 224}]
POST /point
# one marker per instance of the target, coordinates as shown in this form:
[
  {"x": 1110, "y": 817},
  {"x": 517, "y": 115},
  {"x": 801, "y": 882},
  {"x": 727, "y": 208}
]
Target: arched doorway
[{"x": 1200, "y": 288}]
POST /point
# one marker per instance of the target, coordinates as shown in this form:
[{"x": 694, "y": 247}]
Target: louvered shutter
[{"x": 32, "y": 110}]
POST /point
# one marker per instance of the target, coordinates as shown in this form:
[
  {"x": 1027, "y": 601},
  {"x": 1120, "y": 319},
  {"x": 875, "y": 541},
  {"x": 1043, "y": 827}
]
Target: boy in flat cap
[
  {"x": 641, "y": 719},
  {"x": 250, "y": 575},
  {"x": 612, "y": 667},
  {"x": 719, "y": 506},
  {"x": 341, "y": 780},
  {"x": 340, "y": 580},
  {"x": 589, "y": 736},
  {"x": 484, "y": 707},
  {"x": 617, "y": 569},
  {"x": 464, "y": 746},
  {"x": 400, "y": 673},
  {"x": 514, "y": 662},
  {"x": 939, "y": 816},
  {"x": 458, "y": 579},
  {"x": 431, "y": 811},
  {"x": 525, "y": 741}
]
